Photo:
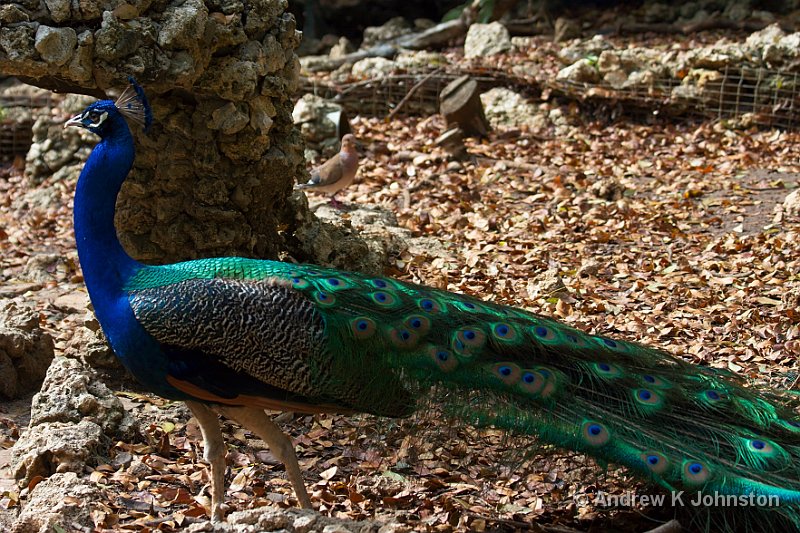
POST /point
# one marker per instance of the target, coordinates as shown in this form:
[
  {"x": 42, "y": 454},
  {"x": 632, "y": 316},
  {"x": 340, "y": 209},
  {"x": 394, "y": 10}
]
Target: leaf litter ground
[{"x": 666, "y": 233}]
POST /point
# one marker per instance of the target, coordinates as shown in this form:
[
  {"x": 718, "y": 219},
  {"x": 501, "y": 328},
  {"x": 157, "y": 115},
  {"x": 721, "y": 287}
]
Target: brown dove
[{"x": 337, "y": 172}]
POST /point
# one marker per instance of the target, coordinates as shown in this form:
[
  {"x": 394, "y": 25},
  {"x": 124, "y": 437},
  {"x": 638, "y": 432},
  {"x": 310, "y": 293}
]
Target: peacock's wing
[
  {"x": 236, "y": 334},
  {"x": 378, "y": 343}
]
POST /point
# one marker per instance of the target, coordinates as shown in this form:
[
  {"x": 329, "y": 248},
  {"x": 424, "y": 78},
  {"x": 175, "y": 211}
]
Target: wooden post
[{"x": 461, "y": 106}]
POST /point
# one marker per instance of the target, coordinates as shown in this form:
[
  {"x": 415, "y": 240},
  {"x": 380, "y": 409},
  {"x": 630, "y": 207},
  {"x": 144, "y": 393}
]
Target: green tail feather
[{"x": 681, "y": 426}]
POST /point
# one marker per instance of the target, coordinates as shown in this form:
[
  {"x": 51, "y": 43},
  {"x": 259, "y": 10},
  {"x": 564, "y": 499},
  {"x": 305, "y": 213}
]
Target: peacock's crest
[{"x": 133, "y": 105}]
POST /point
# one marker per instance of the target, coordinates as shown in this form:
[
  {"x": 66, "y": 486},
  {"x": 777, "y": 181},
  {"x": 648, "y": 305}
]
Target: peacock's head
[
  {"x": 96, "y": 118},
  {"x": 100, "y": 117}
]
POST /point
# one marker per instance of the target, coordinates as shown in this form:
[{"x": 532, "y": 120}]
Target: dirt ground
[{"x": 665, "y": 232}]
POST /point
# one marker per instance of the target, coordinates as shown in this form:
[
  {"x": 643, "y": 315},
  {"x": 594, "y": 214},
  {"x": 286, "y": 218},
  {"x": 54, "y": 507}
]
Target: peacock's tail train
[{"x": 385, "y": 344}]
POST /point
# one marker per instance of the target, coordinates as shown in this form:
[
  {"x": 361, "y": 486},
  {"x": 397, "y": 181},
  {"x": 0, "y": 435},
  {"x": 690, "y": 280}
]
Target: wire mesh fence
[
  {"x": 17, "y": 115},
  {"x": 770, "y": 97},
  {"x": 409, "y": 93},
  {"x": 748, "y": 95}
]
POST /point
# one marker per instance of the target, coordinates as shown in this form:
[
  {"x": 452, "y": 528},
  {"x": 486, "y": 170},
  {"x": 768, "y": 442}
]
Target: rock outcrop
[
  {"x": 74, "y": 421},
  {"x": 212, "y": 175},
  {"x": 25, "y": 350}
]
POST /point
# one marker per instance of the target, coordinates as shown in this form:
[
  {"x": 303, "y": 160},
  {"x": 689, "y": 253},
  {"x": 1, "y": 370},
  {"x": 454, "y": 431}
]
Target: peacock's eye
[{"x": 96, "y": 117}]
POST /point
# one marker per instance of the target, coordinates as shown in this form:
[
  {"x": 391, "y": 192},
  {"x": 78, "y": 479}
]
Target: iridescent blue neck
[{"x": 106, "y": 266}]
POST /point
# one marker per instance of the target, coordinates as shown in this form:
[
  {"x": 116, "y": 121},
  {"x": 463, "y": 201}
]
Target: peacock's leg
[
  {"x": 262, "y": 425},
  {"x": 213, "y": 452}
]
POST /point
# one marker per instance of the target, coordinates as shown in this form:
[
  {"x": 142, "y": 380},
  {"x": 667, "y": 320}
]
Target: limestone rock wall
[
  {"x": 25, "y": 350},
  {"x": 74, "y": 420},
  {"x": 212, "y": 175}
]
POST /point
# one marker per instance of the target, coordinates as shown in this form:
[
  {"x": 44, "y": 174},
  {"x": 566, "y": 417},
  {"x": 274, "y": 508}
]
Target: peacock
[{"x": 236, "y": 336}]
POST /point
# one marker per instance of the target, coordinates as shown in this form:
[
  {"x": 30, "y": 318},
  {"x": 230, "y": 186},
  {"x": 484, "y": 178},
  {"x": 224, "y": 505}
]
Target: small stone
[
  {"x": 90, "y": 346},
  {"x": 59, "y": 9},
  {"x": 182, "y": 67},
  {"x": 393, "y": 28},
  {"x": 139, "y": 469},
  {"x": 62, "y": 502},
  {"x": 273, "y": 53},
  {"x": 791, "y": 204},
  {"x": 486, "y": 40},
  {"x": 183, "y": 24},
  {"x": 373, "y": 67},
  {"x": 565, "y": 29},
  {"x": 582, "y": 71},
  {"x": 304, "y": 523},
  {"x": 231, "y": 78},
  {"x": 341, "y": 48},
  {"x": 608, "y": 61},
  {"x": 589, "y": 268},
  {"x": 336, "y": 528},
  {"x": 547, "y": 285},
  {"x": 25, "y": 349},
  {"x": 504, "y": 107},
  {"x": 40, "y": 268},
  {"x": 115, "y": 40},
  {"x": 11, "y": 14},
  {"x": 321, "y": 123},
  {"x": 57, "y": 447},
  {"x": 17, "y": 42},
  {"x": 55, "y": 45},
  {"x": 420, "y": 59},
  {"x": 125, "y": 11},
  {"x": 616, "y": 78},
  {"x": 229, "y": 119},
  {"x": 72, "y": 301},
  {"x": 261, "y": 112},
  {"x": 738, "y": 10},
  {"x": 584, "y": 48},
  {"x": 122, "y": 460},
  {"x": 80, "y": 68}
]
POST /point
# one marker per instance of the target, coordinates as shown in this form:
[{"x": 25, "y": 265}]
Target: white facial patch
[{"x": 100, "y": 120}]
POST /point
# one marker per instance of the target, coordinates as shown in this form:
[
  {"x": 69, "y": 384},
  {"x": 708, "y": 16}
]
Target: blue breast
[{"x": 138, "y": 351}]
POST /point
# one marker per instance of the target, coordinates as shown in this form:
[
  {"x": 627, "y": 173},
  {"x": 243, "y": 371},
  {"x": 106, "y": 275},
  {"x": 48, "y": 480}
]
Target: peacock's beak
[{"x": 74, "y": 121}]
